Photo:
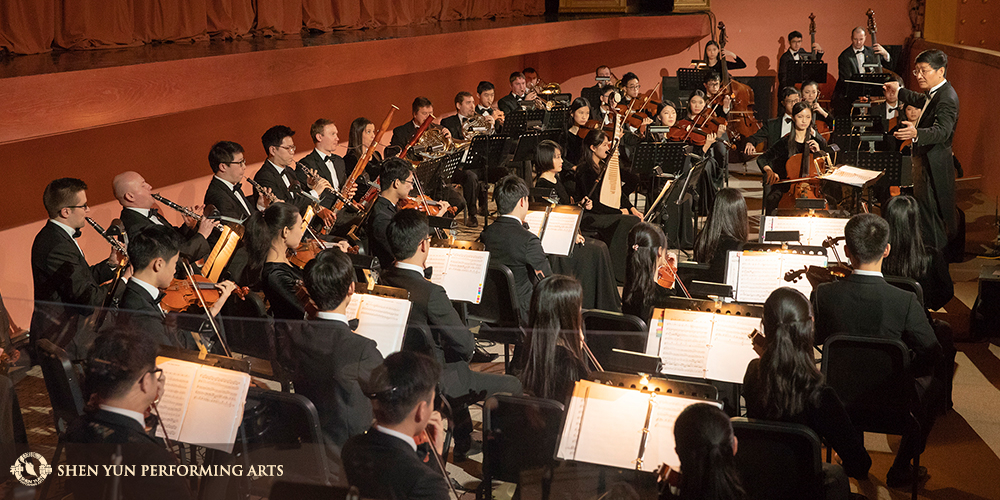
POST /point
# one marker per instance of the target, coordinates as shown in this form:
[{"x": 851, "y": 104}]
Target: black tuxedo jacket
[
  {"x": 847, "y": 66},
  {"x": 313, "y": 161},
  {"x": 785, "y": 62},
  {"x": 66, "y": 287},
  {"x": 138, "y": 312},
  {"x": 194, "y": 246},
  {"x": 867, "y": 306},
  {"x": 432, "y": 310},
  {"x": 402, "y": 134},
  {"x": 93, "y": 438},
  {"x": 510, "y": 244},
  {"x": 379, "y": 218},
  {"x": 454, "y": 125},
  {"x": 268, "y": 177},
  {"x": 932, "y": 150},
  {"x": 509, "y": 104},
  {"x": 334, "y": 370},
  {"x": 769, "y": 133},
  {"x": 226, "y": 202},
  {"x": 386, "y": 468}
]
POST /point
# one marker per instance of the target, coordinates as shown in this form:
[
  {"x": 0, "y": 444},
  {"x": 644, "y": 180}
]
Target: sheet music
[
  {"x": 215, "y": 408},
  {"x": 560, "y": 233},
  {"x": 731, "y": 350},
  {"x": 382, "y": 319},
  {"x": 603, "y": 425},
  {"x": 660, "y": 441},
  {"x": 174, "y": 402},
  {"x": 733, "y": 268},
  {"x": 759, "y": 275},
  {"x": 800, "y": 224},
  {"x": 534, "y": 219},
  {"x": 813, "y": 230},
  {"x": 852, "y": 176},
  {"x": 684, "y": 343},
  {"x": 655, "y": 332},
  {"x": 460, "y": 272}
]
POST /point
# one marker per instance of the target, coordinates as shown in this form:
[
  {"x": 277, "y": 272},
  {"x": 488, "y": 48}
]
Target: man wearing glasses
[
  {"x": 278, "y": 172},
  {"x": 933, "y": 161},
  {"x": 66, "y": 287},
  {"x": 775, "y": 128},
  {"x": 396, "y": 182},
  {"x": 225, "y": 192},
  {"x": 122, "y": 383}
]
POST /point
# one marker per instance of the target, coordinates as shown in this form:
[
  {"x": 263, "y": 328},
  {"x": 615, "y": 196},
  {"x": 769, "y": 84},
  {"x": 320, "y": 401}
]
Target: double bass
[{"x": 742, "y": 123}]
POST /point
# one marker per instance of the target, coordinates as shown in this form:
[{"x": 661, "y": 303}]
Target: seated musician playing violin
[
  {"x": 555, "y": 340},
  {"x": 775, "y": 162},
  {"x": 706, "y": 447},
  {"x": 777, "y": 127},
  {"x": 269, "y": 236},
  {"x": 396, "y": 182},
  {"x": 580, "y": 123},
  {"x": 720, "y": 105},
  {"x": 154, "y": 252},
  {"x": 138, "y": 213},
  {"x": 647, "y": 254},
  {"x": 700, "y": 116}
]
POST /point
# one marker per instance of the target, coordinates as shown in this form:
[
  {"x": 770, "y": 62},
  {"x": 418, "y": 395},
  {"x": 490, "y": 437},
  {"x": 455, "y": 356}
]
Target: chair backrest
[
  {"x": 64, "y": 384},
  {"x": 498, "y": 306},
  {"x": 872, "y": 378},
  {"x": 520, "y": 433},
  {"x": 656, "y": 384},
  {"x": 778, "y": 461},
  {"x": 282, "y": 427},
  {"x": 606, "y": 330},
  {"x": 908, "y": 284}
]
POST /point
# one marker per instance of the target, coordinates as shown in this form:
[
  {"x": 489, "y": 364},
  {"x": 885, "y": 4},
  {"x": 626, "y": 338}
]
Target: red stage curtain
[{"x": 33, "y": 26}]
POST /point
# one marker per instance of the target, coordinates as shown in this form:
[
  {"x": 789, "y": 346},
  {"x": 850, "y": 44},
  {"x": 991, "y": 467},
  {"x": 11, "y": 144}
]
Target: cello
[
  {"x": 742, "y": 122},
  {"x": 810, "y": 166}
]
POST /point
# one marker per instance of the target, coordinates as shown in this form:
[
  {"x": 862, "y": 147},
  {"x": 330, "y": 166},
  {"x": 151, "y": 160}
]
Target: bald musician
[{"x": 135, "y": 195}]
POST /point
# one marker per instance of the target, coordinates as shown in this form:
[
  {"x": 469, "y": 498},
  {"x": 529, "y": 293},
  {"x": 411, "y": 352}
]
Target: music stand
[
  {"x": 490, "y": 148},
  {"x": 516, "y": 123},
  {"x": 592, "y": 95},
  {"x": 524, "y": 151},
  {"x": 451, "y": 162},
  {"x": 856, "y": 90},
  {"x": 807, "y": 70},
  {"x": 556, "y": 118},
  {"x": 428, "y": 171},
  {"x": 692, "y": 78},
  {"x": 669, "y": 156}
]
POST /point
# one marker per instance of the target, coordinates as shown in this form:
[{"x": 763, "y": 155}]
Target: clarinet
[
  {"x": 119, "y": 246},
  {"x": 260, "y": 189},
  {"x": 184, "y": 210},
  {"x": 311, "y": 173}
]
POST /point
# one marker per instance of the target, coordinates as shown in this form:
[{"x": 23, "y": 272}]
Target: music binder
[
  {"x": 758, "y": 270},
  {"x": 460, "y": 267},
  {"x": 812, "y": 231},
  {"x": 621, "y": 427},
  {"x": 555, "y": 225},
  {"x": 382, "y": 313},
  {"x": 703, "y": 344}
]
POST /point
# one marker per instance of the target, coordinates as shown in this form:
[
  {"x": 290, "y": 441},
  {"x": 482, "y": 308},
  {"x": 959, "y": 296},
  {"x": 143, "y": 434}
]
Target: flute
[{"x": 185, "y": 210}]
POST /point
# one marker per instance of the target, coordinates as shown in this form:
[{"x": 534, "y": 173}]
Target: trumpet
[
  {"x": 119, "y": 246},
  {"x": 184, "y": 210}
]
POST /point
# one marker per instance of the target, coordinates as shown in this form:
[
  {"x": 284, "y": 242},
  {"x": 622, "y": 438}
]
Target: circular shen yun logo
[{"x": 31, "y": 469}]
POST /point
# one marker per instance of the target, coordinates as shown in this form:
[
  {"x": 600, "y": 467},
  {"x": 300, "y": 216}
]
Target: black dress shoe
[
  {"x": 902, "y": 477},
  {"x": 472, "y": 221}
]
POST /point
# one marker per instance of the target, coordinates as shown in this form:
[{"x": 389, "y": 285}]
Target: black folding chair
[
  {"x": 605, "y": 331},
  {"x": 64, "y": 385},
  {"x": 283, "y": 428},
  {"x": 519, "y": 433},
  {"x": 908, "y": 284},
  {"x": 498, "y": 311},
  {"x": 778, "y": 461},
  {"x": 872, "y": 377}
]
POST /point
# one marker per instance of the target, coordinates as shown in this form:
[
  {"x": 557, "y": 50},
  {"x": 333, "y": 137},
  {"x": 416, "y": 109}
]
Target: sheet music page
[
  {"x": 800, "y": 224},
  {"x": 437, "y": 257},
  {"x": 354, "y": 304},
  {"x": 215, "y": 408},
  {"x": 660, "y": 441},
  {"x": 560, "y": 233},
  {"x": 684, "y": 343},
  {"x": 534, "y": 220},
  {"x": 731, "y": 350},
  {"x": 465, "y": 274},
  {"x": 852, "y": 176},
  {"x": 760, "y": 273},
  {"x": 796, "y": 261},
  {"x": 733, "y": 268},
  {"x": 827, "y": 226},
  {"x": 607, "y": 422},
  {"x": 176, "y": 391},
  {"x": 383, "y": 319},
  {"x": 655, "y": 333}
]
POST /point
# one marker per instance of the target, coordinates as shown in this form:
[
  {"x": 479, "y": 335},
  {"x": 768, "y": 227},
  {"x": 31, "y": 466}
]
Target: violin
[
  {"x": 817, "y": 275},
  {"x": 666, "y": 276},
  {"x": 433, "y": 208},
  {"x": 308, "y": 250},
  {"x": 595, "y": 125},
  {"x": 685, "y": 131},
  {"x": 180, "y": 295},
  {"x": 302, "y": 294}
]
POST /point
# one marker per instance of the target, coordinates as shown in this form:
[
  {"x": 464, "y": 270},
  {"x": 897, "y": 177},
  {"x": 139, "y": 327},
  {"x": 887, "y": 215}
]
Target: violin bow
[{"x": 201, "y": 299}]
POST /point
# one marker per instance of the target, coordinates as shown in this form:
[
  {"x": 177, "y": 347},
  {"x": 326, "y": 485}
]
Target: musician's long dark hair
[
  {"x": 555, "y": 322},
  {"x": 704, "y": 53},
  {"x": 705, "y": 446},
  {"x": 644, "y": 243},
  {"x": 908, "y": 256},
  {"x": 594, "y": 139},
  {"x": 796, "y": 109},
  {"x": 728, "y": 218},
  {"x": 261, "y": 230},
  {"x": 789, "y": 378},
  {"x": 354, "y": 140}
]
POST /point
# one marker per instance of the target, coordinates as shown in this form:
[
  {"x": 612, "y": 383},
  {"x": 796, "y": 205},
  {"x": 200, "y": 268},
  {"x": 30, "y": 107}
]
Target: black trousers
[{"x": 463, "y": 386}]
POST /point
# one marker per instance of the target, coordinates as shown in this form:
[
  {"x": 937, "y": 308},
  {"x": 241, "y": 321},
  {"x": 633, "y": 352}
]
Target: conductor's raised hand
[{"x": 909, "y": 131}]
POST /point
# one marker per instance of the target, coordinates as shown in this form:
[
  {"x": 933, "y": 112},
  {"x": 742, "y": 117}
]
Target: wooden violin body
[
  {"x": 433, "y": 208},
  {"x": 666, "y": 276},
  {"x": 817, "y": 275},
  {"x": 181, "y": 295}
]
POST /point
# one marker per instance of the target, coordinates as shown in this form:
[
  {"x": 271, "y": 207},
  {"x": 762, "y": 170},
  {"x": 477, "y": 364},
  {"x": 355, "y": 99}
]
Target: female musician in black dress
[
  {"x": 590, "y": 261},
  {"x": 611, "y": 225},
  {"x": 772, "y": 162},
  {"x": 360, "y": 138},
  {"x": 579, "y": 114},
  {"x": 810, "y": 94},
  {"x": 647, "y": 252},
  {"x": 269, "y": 236},
  {"x": 713, "y": 59},
  {"x": 555, "y": 353},
  {"x": 726, "y": 229}
]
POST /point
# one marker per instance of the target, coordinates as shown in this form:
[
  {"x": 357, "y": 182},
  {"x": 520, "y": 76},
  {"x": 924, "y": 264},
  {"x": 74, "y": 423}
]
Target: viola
[
  {"x": 433, "y": 208},
  {"x": 180, "y": 295}
]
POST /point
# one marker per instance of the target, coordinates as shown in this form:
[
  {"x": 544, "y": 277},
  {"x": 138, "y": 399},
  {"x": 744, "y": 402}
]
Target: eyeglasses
[
  {"x": 84, "y": 206},
  {"x": 244, "y": 161},
  {"x": 157, "y": 373},
  {"x": 918, "y": 72},
  {"x": 634, "y": 87},
  {"x": 408, "y": 181},
  {"x": 291, "y": 148}
]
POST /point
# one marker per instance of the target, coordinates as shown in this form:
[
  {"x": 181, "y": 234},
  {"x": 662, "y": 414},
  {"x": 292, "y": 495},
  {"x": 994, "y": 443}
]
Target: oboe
[
  {"x": 185, "y": 210},
  {"x": 119, "y": 246}
]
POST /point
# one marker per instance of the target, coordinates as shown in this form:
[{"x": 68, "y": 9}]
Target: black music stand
[
  {"x": 451, "y": 162},
  {"x": 856, "y": 90},
  {"x": 557, "y": 118},
  {"x": 428, "y": 171},
  {"x": 669, "y": 156},
  {"x": 516, "y": 123},
  {"x": 692, "y": 78},
  {"x": 592, "y": 95},
  {"x": 488, "y": 150},
  {"x": 806, "y": 70}
]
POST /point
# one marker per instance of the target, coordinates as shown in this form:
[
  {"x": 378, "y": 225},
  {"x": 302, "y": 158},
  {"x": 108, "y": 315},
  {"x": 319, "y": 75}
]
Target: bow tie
[
  {"x": 159, "y": 298},
  {"x": 862, "y": 51},
  {"x": 353, "y": 324},
  {"x": 287, "y": 172},
  {"x": 328, "y": 159},
  {"x": 77, "y": 233},
  {"x": 238, "y": 188},
  {"x": 154, "y": 213},
  {"x": 788, "y": 120},
  {"x": 428, "y": 272},
  {"x": 526, "y": 226}
]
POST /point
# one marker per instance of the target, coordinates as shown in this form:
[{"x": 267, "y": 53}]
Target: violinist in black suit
[
  {"x": 852, "y": 61},
  {"x": 278, "y": 174},
  {"x": 122, "y": 382},
  {"x": 396, "y": 182},
  {"x": 795, "y": 52},
  {"x": 66, "y": 288},
  {"x": 153, "y": 253},
  {"x": 933, "y": 161},
  {"x": 451, "y": 342},
  {"x": 518, "y": 94},
  {"x": 225, "y": 191},
  {"x": 385, "y": 463},
  {"x": 135, "y": 196},
  {"x": 334, "y": 365}
]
